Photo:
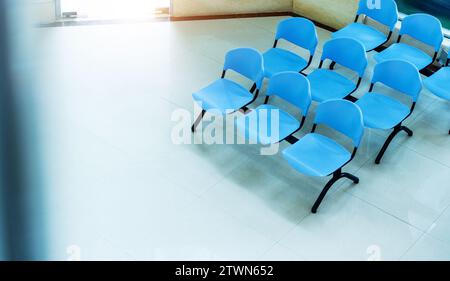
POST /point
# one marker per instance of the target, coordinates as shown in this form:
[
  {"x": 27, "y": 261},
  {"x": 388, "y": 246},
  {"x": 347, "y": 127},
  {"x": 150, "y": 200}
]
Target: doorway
[{"x": 112, "y": 9}]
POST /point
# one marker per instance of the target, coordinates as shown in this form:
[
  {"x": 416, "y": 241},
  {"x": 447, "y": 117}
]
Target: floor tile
[
  {"x": 199, "y": 231},
  {"x": 397, "y": 187},
  {"x": 281, "y": 253},
  {"x": 440, "y": 229},
  {"x": 428, "y": 249},
  {"x": 346, "y": 228}
]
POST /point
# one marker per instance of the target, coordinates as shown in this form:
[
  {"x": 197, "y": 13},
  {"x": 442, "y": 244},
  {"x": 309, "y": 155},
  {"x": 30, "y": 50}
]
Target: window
[
  {"x": 438, "y": 8},
  {"x": 113, "y": 9}
]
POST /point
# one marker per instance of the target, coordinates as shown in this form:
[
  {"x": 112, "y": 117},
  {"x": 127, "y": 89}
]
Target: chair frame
[
  {"x": 337, "y": 175},
  {"x": 397, "y": 129},
  {"x": 243, "y": 109}
]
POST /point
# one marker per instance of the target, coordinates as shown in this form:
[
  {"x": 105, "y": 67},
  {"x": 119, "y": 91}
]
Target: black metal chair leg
[
  {"x": 245, "y": 110},
  {"x": 197, "y": 121},
  {"x": 332, "y": 65},
  {"x": 336, "y": 176},
  {"x": 407, "y": 130},
  {"x": 351, "y": 177},
  {"x": 386, "y": 144},
  {"x": 397, "y": 130},
  {"x": 324, "y": 192},
  {"x": 252, "y": 90}
]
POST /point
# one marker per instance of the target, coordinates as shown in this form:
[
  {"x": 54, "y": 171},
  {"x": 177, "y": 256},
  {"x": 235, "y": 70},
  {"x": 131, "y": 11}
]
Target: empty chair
[
  {"x": 439, "y": 83},
  {"x": 319, "y": 156},
  {"x": 328, "y": 84},
  {"x": 422, "y": 27},
  {"x": 386, "y": 14},
  {"x": 227, "y": 96},
  {"x": 298, "y": 31},
  {"x": 291, "y": 87},
  {"x": 383, "y": 112}
]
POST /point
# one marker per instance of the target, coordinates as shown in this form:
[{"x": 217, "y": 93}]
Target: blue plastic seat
[
  {"x": 381, "y": 111},
  {"x": 257, "y": 126},
  {"x": 370, "y": 37},
  {"x": 226, "y": 96},
  {"x": 298, "y": 31},
  {"x": 327, "y": 84},
  {"x": 439, "y": 83},
  {"x": 422, "y": 27},
  {"x": 223, "y": 95},
  {"x": 405, "y": 52},
  {"x": 384, "y": 112},
  {"x": 320, "y": 156}
]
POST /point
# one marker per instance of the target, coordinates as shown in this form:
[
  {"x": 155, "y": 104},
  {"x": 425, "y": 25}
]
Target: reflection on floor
[{"x": 119, "y": 189}]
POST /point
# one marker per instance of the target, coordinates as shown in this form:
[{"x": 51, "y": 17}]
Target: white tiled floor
[{"x": 119, "y": 189}]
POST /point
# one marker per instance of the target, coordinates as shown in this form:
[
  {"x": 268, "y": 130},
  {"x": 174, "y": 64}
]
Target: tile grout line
[
  {"x": 411, "y": 247},
  {"x": 240, "y": 220},
  {"x": 427, "y": 232},
  {"x": 388, "y": 213},
  {"x": 427, "y": 157},
  {"x": 375, "y": 206}
]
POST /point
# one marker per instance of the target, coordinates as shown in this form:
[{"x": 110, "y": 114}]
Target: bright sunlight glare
[{"x": 113, "y": 9}]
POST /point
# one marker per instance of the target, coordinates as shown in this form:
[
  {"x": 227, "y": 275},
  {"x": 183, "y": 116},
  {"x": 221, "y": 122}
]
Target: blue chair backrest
[
  {"x": 347, "y": 52},
  {"x": 425, "y": 28},
  {"x": 293, "y": 88},
  {"x": 298, "y": 31},
  {"x": 383, "y": 11},
  {"x": 342, "y": 116},
  {"x": 400, "y": 75},
  {"x": 247, "y": 62}
]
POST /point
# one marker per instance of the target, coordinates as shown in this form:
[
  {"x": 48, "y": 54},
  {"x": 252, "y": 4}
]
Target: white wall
[
  {"x": 334, "y": 13},
  {"x": 183, "y": 8},
  {"x": 43, "y": 11}
]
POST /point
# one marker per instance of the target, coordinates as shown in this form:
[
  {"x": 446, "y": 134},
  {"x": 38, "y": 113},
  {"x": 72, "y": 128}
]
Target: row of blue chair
[
  {"x": 315, "y": 154},
  {"x": 422, "y": 27},
  {"x": 325, "y": 83}
]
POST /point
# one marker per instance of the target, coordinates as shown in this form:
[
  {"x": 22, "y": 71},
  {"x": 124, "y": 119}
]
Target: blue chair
[
  {"x": 228, "y": 96},
  {"x": 327, "y": 84},
  {"x": 298, "y": 31},
  {"x": 319, "y": 156},
  {"x": 291, "y": 87},
  {"x": 422, "y": 27},
  {"x": 386, "y": 113},
  {"x": 370, "y": 37},
  {"x": 439, "y": 83}
]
